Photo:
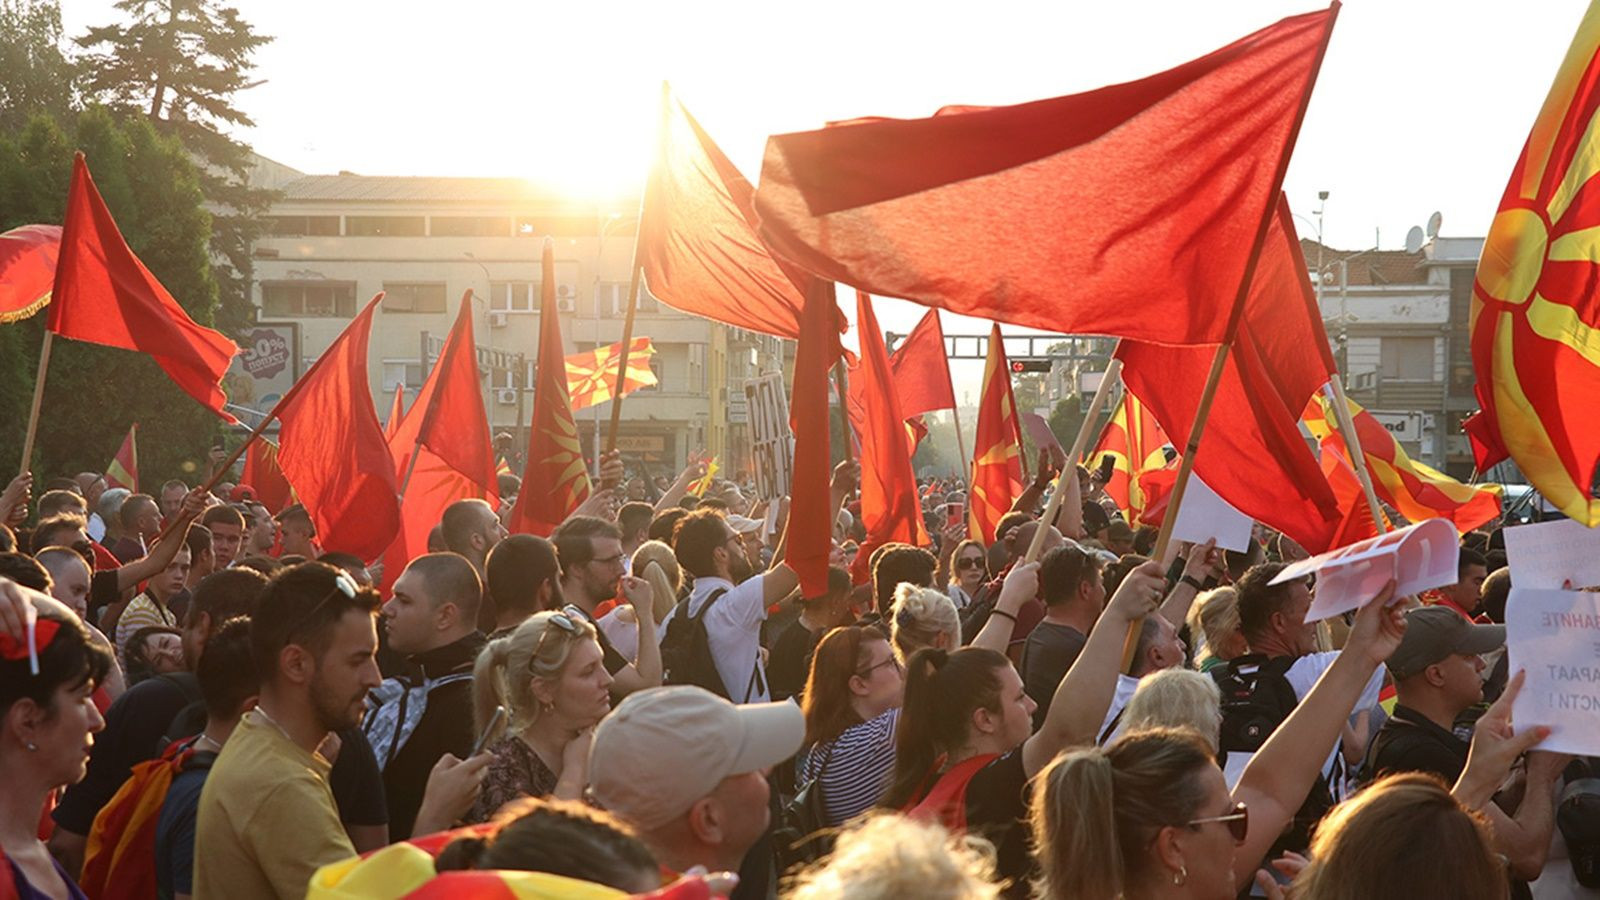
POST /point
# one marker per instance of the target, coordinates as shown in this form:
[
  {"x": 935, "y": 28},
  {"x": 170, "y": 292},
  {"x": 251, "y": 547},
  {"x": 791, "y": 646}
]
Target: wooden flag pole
[
  {"x": 1051, "y": 509},
  {"x": 38, "y": 400},
  {"x": 1352, "y": 444},
  {"x": 961, "y": 448},
  {"x": 226, "y": 464},
  {"x": 411, "y": 466}
]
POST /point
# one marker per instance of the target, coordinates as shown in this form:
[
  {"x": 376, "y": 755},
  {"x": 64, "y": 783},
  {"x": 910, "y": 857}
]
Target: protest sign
[
  {"x": 772, "y": 445},
  {"x": 1419, "y": 558},
  {"x": 1204, "y": 515},
  {"x": 1045, "y": 439},
  {"x": 1554, "y": 636},
  {"x": 1554, "y": 554}
]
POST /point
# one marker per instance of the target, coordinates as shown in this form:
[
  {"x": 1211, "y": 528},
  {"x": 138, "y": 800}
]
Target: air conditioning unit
[
  {"x": 566, "y": 304},
  {"x": 497, "y": 320},
  {"x": 506, "y": 396}
]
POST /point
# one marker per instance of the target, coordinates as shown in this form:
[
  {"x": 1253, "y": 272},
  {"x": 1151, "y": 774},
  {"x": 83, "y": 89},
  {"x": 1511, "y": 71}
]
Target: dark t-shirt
[
  {"x": 127, "y": 550},
  {"x": 790, "y": 661},
  {"x": 997, "y": 809},
  {"x": 1050, "y": 651},
  {"x": 356, "y": 783},
  {"x": 1410, "y": 742},
  {"x": 610, "y": 656},
  {"x": 175, "y": 828},
  {"x": 103, "y": 591},
  {"x": 136, "y": 725}
]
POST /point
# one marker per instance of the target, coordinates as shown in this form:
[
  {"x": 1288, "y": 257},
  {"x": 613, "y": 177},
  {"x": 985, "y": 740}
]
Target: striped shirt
[
  {"x": 855, "y": 767},
  {"x": 141, "y": 612}
]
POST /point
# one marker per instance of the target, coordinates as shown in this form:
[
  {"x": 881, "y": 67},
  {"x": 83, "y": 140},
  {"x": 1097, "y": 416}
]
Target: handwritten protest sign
[
  {"x": 1419, "y": 558},
  {"x": 1203, "y": 515},
  {"x": 772, "y": 446},
  {"x": 1554, "y": 636},
  {"x": 1547, "y": 554}
]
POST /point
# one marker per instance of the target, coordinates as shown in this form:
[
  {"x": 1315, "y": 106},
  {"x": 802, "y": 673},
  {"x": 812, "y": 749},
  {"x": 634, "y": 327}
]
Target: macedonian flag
[
  {"x": 1536, "y": 299},
  {"x": 124, "y": 469},
  {"x": 1134, "y": 441},
  {"x": 592, "y": 376},
  {"x": 996, "y": 449}
]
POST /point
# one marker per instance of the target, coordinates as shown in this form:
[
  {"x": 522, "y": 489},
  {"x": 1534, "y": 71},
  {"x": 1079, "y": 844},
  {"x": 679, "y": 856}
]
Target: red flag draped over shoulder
[
  {"x": 890, "y": 510},
  {"x": 554, "y": 479},
  {"x": 699, "y": 247},
  {"x": 331, "y": 447},
  {"x": 1253, "y": 454},
  {"x": 1131, "y": 210},
  {"x": 996, "y": 447},
  {"x": 811, "y": 513},
  {"x": 104, "y": 295},
  {"x": 27, "y": 269}
]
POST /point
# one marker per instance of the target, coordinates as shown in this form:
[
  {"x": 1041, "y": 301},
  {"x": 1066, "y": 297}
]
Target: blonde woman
[
  {"x": 922, "y": 617},
  {"x": 1175, "y": 698},
  {"x": 1215, "y": 615},
  {"x": 550, "y": 676},
  {"x": 886, "y": 857},
  {"x": 653, "y": 562}
]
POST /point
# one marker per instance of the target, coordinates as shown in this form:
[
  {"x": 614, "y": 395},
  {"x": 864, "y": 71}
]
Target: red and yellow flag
[
  {"x": 27, "y": 269},
  {"x": 592, "y": 376},
  {"x": 1134, "y": 440},
  {"x": 1416, "y": 491},
  {"x": 124, "y": 469},
  {"x": 1535, "y": 315},
  {"x": 997, "y": 447}
]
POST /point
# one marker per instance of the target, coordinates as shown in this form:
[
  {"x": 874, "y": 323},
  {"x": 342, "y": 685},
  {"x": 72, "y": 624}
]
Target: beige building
[{"x": 336, "y": 240}]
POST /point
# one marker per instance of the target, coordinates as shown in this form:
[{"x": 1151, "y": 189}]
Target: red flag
[
  {"x": 454, "y": 424},
  {"x": 331, "y": 447},
  {"x": 104, "y": 295},
  {"x": 261, "y": 472},
  {"x": 1355, "y": 515},
  {"x": 810, "y": 508},
  {"x": 699, "y": 247},
  {"x": 921, "y": 370},
  {"x": 996, "y": 446},
  {"x": 397, "y": 412},
  {"x": 557, "y": 479},
  {"x": 1253, "y": 454},
  {"x": 27, "y": 269},
  {"x": 1487, "y": 450},
  {"x": 124, "y": 469},
  {"x": 890, "y": 510},
  {"x": 1131, "y": 210}
]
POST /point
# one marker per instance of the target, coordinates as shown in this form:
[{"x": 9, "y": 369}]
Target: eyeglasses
[
  {"x": 1238, "y": 821},
  {"x": 563, "y": 624},
  {"x": 891, "y": 661},
  {"x": 607, "y": 560},
  {"x": 342, "y": 584},
  {"x": 971, "y": 562}
]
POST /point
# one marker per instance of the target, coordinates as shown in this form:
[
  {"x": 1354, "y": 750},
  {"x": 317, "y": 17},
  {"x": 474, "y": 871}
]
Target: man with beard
[
  {"x": 590, "y": 551},
  {"x": 709, "y": 549}
]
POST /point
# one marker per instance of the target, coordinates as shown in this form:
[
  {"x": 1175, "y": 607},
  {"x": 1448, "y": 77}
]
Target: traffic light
[{"x": 1018, "y": 366}]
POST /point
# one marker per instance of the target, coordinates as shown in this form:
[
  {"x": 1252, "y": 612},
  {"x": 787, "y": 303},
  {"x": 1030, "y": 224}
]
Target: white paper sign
[
  {"x": 1554, "y": 636},
  {"x": 1419, "y": 558},
  {"x": 771, "y": 444},
  {"x": 1203, "y": 515},
  {"x": 1546, "y": 554}
]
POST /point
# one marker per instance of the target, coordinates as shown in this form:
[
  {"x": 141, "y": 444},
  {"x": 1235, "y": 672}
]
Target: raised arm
[
  {"x": 14, "y": 499},
  {"x": 691, "y": 473},
  {"x": 645, "y": 670},
  {"x": 1021, "y": 583},
  {"x": 1204, "y": 562},
  {"x": 165, "y": 550}
]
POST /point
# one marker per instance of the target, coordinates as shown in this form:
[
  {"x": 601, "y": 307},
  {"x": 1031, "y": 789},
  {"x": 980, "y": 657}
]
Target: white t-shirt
[
  {"x": 733, "y": 629},
  {"x": 622, "y": 633},
  {"x": 1126, "y": 685}
]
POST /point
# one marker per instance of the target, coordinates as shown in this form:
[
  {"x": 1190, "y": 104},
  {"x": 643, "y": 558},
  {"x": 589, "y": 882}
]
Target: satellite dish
[
  {"x": 1414, "y": 239},
  {"x": 1434, "y": 221}
]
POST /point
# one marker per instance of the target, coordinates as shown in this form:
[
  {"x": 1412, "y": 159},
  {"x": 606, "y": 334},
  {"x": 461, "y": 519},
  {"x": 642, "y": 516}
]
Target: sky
[{"x": 1421, "y": 106}]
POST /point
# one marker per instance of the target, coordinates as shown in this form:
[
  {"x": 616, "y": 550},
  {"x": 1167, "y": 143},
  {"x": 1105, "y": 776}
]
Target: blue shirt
[
  {"x": 26, "y": 890},
  {"x": 175, "y": 829}
]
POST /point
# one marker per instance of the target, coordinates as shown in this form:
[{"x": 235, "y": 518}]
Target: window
[
  {"x": 514, "y": 296},
  {"x": 1406, "y": 358},
  {"x": 568, "y": 226},
  {"x": 697, "y": 367},
  {"x": 401, "y": 371},
  {"x": 408, "y": 296},
  {"x": 470, "y": 226},
  {"x": 613, "y": 297},
  {"x": 500, "y": 379},
  {"x": 384, "y": 226},
  {"x": 301, "y": 226},
  {"x": 308, "y": 298}
]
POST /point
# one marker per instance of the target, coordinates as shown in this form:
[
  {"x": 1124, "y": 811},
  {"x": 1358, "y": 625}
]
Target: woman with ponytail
[
  {"x": 653, "y": 562},
  {"x": 550, "y": 676}
]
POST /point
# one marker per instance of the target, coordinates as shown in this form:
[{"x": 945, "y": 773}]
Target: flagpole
[
  {"x": 411, "y": 466},
  {"x": 841, "y": 385},
  {"x": 961, "y": 447},
  {"x": 634, "y": 276},
  {"x": 1101, "y": 393},
  {"x": 1352, "y": 445},
  {"x": 38, "y": 399}
]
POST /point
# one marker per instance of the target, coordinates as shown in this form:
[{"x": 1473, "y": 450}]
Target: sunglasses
[
  {"x": 971, "y": 562},
  {"x": 1238, "y": 821},
  {"x": 563, "y": 624},
  {"x": 342, "y": 584}
]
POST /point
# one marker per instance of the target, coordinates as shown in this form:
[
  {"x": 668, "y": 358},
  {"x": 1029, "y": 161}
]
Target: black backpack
[
  {"x": 686, "y": 649},
  {"x": 1256, "y": 698}
]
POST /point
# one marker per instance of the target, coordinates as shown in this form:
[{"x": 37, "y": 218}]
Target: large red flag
[
  {"x": 811, "y": 515},
  {"x": 261, "y": 472},
  {"x": 454, "y": 424},
  {"x": 890, "y": 510},
  {"x": 921, "y": 370},
  {"x": 104, "y": 295},
  {"x": 1131, "y": 210},
  {"x": 331, "y": 447},
  {"x": 556, "y": 478},
  {"x": 996, "y": 447},
  {"x": 27, "y": 269},
  {"x": 1252, "y": 453},
  {"x": 699, "y": 247}
]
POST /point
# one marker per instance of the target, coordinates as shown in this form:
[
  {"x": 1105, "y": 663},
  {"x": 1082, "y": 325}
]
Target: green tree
[{"x": 35, "y": 75}]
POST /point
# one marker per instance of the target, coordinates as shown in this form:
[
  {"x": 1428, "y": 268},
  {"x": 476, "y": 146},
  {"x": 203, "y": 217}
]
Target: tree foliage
[{"x": 38, "y": 77}]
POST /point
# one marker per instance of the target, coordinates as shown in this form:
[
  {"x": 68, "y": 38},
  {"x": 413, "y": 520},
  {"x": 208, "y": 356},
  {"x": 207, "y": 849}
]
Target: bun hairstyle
[
  {"x": 560, "y": 837},
  {"x": 501, "y": 676},
  {"x": 1095, "y": 811},
  {"x": 918, "y": 616},
  {"x": 943, "y": 690}
]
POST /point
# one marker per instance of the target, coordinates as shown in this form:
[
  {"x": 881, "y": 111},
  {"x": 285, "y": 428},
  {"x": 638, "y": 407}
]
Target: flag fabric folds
[
  {"x": 1133, "y": 439},
  {"x": 454, "y": 424},
  {"x": 104, "y": 295},
  {"x": 261, "y": 472},
  {"x": 921, "y": 369},
  {"x": 1535, "y": 301},
  {"x": 811, "y": 512},
  {"x": 124, "y": 469},
  {"x": 890, "y": 510},
  {"x": 27, "y": 269},
  {"x": 592, "y": 376},
  {"x": 331, "y": 447},
  {"x": 698, "y": 245},
  {"x": 556, "y": 479},
  {"x": 397, "y": 412},
  {"x": 1355, "y": 514},
  {"x": 1415, "y": 490},
  {"x": 1131, "y": 210},
  {"x": 996, "y": 447},
  {"x": 1253, "y": 454}
]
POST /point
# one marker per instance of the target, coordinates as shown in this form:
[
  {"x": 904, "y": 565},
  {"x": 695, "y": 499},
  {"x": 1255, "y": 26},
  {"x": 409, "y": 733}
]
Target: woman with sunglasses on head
[
  {"x": 49, "y": 668},
  {"x": 550, "y": 676},
  {"x": 852, "y": 706}
]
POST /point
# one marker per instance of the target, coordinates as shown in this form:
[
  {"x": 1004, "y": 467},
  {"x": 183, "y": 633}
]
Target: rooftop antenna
[
  {"x": 1434, "y": 221},
  {"x": 1414, "y": 239}
]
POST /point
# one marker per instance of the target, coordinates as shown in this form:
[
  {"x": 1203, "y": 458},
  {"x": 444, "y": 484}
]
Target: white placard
[
  {"x": 771, "y": 444},
  {"x": 1554, "y": 636},
  {"x": 1546, "y": 554},
  {"x": 1419, "y": 558},
  {"x": 1203, "y": 515}
]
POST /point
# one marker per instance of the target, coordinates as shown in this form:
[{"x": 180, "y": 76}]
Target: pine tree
[{"x": 35, "y": 75}]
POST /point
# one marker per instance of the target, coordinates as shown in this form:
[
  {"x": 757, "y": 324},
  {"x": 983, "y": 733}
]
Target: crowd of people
[{"x": 198, "y": 700}]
